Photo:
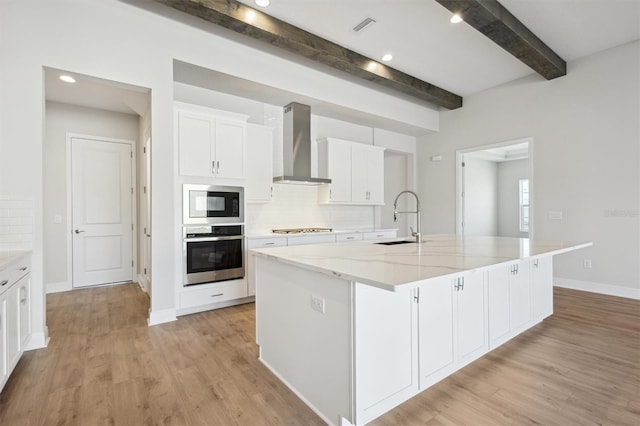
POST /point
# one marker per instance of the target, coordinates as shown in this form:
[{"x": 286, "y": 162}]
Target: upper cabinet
[
  {"x": 356, "y": 171},
  {"x": 259, "y": 163},
  {"x": 212, "y": 143}
]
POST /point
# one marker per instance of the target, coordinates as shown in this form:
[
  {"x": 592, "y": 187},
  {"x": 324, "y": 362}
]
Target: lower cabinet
[
  {"x": 15, "y": 315},
  {"x": 452, "y": 327},
  {"x": 201, "y": 297},
  {"x": 542, "y": 287},
  {"x": 520, "y": 295}
]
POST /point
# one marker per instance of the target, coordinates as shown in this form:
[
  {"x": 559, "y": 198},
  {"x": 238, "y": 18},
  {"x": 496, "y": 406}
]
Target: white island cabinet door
[
  {"x": 499, "y": 322},
  {"x": 435, "y": 328},
  {"x": 471, "y": 317},
  {"x": 520, "y": 296},
  {"x": 386, "y": 356},
  {"x": 542, "y": 287}
]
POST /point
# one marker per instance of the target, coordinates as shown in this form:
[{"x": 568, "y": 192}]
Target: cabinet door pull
[
  {"x": 217, "y": 167},
  {"x": 351, "y": 238},
  {"x": 217, "y": 295},
  {"x": 269, "y": 244},
  {"x": 462, "y": 283},
  {"x": 4, "y": 282},
  {"x": 213, "y": 167},
  {"x": 535, "y": 263},
  {"x": 24, "y": 268},
  {"x": 23, "y": 295}
]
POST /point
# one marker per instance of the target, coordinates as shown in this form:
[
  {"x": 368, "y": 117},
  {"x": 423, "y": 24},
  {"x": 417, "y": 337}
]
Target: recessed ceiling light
[
  {"x": 250, "y": 16},
  {"x": 456, "y": 19},
  {"x": 387, "y": 57},
  {"x": 67, "y": 78},
  {"x": 263, "y": 3}
]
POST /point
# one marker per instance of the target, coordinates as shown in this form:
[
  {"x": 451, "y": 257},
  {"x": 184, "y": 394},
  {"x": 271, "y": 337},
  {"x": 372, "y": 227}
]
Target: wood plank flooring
[{"x": 105, "y": 366}]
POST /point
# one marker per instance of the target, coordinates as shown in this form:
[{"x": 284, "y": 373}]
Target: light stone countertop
[
  {"x": 9, "y": 257},
  {"x": 269, "y": 234},
  {"x": 398, "y": 266}
]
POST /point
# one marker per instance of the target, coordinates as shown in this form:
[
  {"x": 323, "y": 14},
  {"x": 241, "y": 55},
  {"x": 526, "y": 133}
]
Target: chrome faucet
[{"x": 418, "y": 232}]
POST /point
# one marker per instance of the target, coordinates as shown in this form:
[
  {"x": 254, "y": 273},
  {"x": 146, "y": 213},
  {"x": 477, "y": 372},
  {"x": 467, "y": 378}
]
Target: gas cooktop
[{"x": 301, "y": 230}]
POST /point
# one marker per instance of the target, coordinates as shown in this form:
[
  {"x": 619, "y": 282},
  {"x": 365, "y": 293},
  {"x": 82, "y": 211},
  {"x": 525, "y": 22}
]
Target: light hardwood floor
[{"x": 104, "y": 366}]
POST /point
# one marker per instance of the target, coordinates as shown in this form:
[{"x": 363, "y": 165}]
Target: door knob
[{"x": 77, "y": 231}]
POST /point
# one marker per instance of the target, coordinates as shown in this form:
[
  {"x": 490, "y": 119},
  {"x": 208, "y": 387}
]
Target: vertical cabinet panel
[
  {"x": 472, "y": 335},
  {"x": 24, "y": 309},
  {"x": 520, "y": 296},
  {"x": 499, "y": 316},
  {"x": 259, "y": 163},
  {"x": 334, "y": 157}
]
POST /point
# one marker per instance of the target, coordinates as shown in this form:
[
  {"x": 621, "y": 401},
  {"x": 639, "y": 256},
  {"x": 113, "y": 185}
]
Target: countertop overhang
[{"x": 400, "y": 266}]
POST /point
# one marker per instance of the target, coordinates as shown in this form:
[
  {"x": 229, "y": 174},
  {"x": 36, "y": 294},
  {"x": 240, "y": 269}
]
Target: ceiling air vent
[{"x": 364, "y": 24}]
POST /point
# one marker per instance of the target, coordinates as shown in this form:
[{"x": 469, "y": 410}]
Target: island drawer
[
  {"x": 379, "y": 234},
  {"x": 351, "y": 236}
]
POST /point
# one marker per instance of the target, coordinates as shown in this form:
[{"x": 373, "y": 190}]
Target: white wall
[
  {"x": 509, "y": 175},
  {"x": 60, "y": 120},
  {"x": 585, "y": 161},
  {"x": 117, "y": 41},
  {"x": 481, "y": 197}
]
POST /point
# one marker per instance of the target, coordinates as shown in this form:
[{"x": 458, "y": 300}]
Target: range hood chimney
[{"x": 296, "y": 143}]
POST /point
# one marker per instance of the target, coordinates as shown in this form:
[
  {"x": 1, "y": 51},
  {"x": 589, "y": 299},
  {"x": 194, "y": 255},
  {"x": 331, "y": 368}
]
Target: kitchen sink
[{"x": 393, "y": 243}]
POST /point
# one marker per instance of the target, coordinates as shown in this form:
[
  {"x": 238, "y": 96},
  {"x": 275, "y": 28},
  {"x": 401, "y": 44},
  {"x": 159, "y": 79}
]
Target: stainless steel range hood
[{"x": 296, "y": 143}]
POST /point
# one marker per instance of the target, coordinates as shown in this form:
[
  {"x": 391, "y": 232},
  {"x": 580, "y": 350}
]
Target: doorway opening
[
  {"x": 107, "y": 164},
  {"x": 495, "y": 189}
]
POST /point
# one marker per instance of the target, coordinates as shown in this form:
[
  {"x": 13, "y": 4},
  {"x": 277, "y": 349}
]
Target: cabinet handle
[
  {"x": 271, "y": 192},
  {"x": 217, "y": 167},
  {"x": 217, "y": 295},
  {"x": 462, "y": 283},
  {"x": 351, "y": 238},
  {"x": 4, "y": 282},
  {"x": 23, "y": 295},
  {"x": 269, "y": 244},
  {"x": 535, "y": 263},
  {"x": 213, "y": 167},
  {"x": 24, "y": 268},
  {"x": 330, "y": 195}
]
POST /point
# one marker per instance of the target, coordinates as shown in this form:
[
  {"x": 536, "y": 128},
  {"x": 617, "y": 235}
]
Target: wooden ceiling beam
[
  {"x": 499, "y": 25},
  {"x": 251, "y": 22}
]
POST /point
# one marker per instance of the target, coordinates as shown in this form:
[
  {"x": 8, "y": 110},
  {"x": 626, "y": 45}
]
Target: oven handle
[{"x": 196, "y": 239}]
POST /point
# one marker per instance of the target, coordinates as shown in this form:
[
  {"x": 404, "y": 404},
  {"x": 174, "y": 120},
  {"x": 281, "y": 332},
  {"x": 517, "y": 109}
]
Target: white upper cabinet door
[
  {"x": 359, "y": 171},
  {"x": 212, "y": 143},
  {"x": 229, "y": 154},
  {"x": 335, "y": 164},
  {"x": 375, "y": 174},
  {"x": 196, "y": 134},
  {"x": 259, "y": 163},
  {"x": 542, "y": 287}
]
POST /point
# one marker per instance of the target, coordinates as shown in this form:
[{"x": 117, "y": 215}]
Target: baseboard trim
[
  {"x": 142, "y": 282},
  {"x": 58, "y": 287},
  {"x": 162, "y": 316},
  {"x": 611, "y": 290}
]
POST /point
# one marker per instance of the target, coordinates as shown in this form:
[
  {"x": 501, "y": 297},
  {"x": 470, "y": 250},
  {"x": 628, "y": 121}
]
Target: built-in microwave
[{"x": 211, "y": 204}]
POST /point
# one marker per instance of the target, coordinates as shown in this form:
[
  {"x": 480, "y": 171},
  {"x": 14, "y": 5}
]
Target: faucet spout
[{"x": 418, "y": 232}]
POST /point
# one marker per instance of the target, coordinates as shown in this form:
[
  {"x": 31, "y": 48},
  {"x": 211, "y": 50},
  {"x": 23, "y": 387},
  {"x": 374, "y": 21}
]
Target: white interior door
[{"x": 101, "y": 212}]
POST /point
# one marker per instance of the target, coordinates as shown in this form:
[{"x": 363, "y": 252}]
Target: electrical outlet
[
  {"x": 317, "y": 304},
  {"x": 587, "y": 263}
]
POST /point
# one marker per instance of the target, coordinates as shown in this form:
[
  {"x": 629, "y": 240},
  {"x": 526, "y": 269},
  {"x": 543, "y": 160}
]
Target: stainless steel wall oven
[{"x": 213, "y": 253}]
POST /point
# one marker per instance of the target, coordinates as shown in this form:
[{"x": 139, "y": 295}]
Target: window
[{"x": 524, "y": 205}]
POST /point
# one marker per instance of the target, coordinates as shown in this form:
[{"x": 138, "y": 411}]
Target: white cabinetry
[
  {"x": 212, "y": 143},
  {"x": 542, "y": 287},
  {"x": 256, "y": 243},
  {"x": 374, "y": 235},
  {"x": 259, "y": 163},
  {"x": 367, "y": 174},
  {"x": 311, "y": 239},
  {"x": 15, "y": 314},
  {"x": 509, "y": 301},
  {"x": 451, "y": 325},
  {"x": 386, "y": 371},
  {"x": 356, "y": 171}
]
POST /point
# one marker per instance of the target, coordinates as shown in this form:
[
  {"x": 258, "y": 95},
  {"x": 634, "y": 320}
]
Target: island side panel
[{"x": 308, "y": 350}]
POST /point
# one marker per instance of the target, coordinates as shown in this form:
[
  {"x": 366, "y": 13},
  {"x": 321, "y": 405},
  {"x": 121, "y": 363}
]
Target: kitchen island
[{"x": 355, "y": 329}]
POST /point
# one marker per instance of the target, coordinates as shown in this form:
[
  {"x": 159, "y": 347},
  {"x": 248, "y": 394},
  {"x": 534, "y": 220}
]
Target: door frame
[
  {"x": 460, "y": 179},
  {"x": 134, "y": 202}
]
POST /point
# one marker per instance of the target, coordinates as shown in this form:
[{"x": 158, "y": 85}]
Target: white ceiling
[
  {"x": 457, "y": 57},
  {"x": 423, "y": 42}
]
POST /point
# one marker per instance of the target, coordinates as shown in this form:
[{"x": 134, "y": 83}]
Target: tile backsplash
[
  {"x": 16, "y": 224},
  {"x": 296, "y": 206}
]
